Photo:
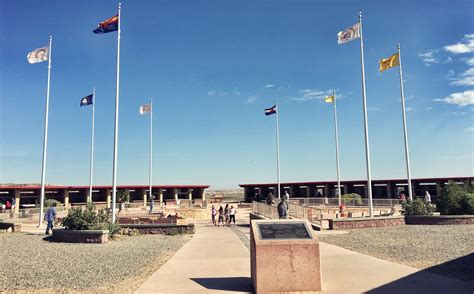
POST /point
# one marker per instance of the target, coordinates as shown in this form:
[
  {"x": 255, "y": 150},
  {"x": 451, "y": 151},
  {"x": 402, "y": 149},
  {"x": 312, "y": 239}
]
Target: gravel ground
[
  {"x": 435, "y": 248},
  {"x": 30, "y": 263}
]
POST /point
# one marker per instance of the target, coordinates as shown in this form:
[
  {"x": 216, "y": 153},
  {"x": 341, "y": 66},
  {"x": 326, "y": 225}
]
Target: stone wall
[
  {"x": 169, "y": 229},
  {"x": 346, "y": 224},
  {"x": 439, "y": 219}
]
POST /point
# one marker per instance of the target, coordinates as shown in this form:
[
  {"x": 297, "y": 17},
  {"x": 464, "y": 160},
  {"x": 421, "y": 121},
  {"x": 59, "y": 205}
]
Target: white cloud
[
  {"x": 470, "y": 129},
  {"x": 428, "y": 57},
  {"x": 410, "y": 108},
  {"x": 251, "y": 99},
  {"x": 217, "y": 93},
  {"x": 311, "y": 94},
  {"x": 236, "y": 91},
  {"x": 461, "y": 99},
  {"x": 465, "y": 79},
  {"x": 470, "y": 61},
  {"x": 269, "y": 86},
  {"x": 429, "y": 108},
  {"x": 466, "y": 46}
]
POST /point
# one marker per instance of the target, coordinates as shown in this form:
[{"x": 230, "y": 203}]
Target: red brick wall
[{"x": 341, "y": 224}]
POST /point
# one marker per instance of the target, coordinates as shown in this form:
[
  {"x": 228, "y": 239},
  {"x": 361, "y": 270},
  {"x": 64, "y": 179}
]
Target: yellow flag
[
  {"x": 389, "y": 62},
  {"x": 329, "y": 99}
]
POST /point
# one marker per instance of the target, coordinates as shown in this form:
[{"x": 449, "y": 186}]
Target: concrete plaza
[{"x": 218, "y": 260}]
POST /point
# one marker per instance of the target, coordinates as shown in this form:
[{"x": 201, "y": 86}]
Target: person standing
[
  {"x": 282, "y": 209},
  {"x": 50, "y": 217},
  {"x": 221, "y": 216},
  {"x": 427, "y": 197},
  {"x": 152, "y": 202},
  {"x": 233, "y": 212},
  {"x": 226, "y": 214},
  {"x": 270, "y": 198},
  {"x": 213, "y": 215}
]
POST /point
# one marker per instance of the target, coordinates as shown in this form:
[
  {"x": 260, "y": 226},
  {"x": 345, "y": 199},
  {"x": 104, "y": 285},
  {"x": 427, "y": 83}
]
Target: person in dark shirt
[
  {"x": 50, "y": 217},
  {"x": 282, "y": 209}
]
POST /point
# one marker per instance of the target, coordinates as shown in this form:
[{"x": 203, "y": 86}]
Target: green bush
[
  {"x": 49, "y": 202},
  {"x": 456, "y": 200},
  {"x": 417, "y": 207},
  {"x": 351, "y": 198},
  {"x": 123, "y": 196},
  {"x": 90, "y": 219}
]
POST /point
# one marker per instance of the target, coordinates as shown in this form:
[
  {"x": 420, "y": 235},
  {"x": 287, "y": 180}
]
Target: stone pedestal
[{"x": 284, "y": 257}]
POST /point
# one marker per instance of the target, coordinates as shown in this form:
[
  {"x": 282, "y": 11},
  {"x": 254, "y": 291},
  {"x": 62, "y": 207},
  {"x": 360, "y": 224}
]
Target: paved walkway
[{"x": 216, "y": 260}]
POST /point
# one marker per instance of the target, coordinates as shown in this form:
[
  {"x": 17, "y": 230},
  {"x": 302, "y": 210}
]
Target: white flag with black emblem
[{"x": 38, "y": 55}]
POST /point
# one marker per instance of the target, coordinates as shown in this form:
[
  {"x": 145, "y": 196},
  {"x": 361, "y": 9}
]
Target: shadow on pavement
[
  {"x": 243, "y": 284},
  {"x": 454, "y": 276}
]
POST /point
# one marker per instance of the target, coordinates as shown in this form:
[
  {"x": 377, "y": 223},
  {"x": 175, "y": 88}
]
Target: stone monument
[{"x": 284, "y": 257}]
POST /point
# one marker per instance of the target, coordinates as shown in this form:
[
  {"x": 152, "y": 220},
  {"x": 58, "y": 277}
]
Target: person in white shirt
[
  {"x": 427, "y": 197},
  {"x": 233, "y": 212}
]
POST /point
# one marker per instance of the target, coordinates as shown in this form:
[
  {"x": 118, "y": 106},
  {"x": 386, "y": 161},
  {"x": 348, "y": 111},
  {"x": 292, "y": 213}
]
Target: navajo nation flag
[
  {"x": 107, "y": 26},
  {"x": 271, "y": 110}
]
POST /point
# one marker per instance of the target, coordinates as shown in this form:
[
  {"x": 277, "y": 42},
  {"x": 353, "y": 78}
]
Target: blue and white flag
[
  {"x": 87, "y": 100},
  {"x": 271, "y": 110}
]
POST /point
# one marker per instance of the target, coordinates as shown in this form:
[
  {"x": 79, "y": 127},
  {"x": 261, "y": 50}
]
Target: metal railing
[
  {"x": 312, "y": 214},
  {"x": 346, "y": 202}
]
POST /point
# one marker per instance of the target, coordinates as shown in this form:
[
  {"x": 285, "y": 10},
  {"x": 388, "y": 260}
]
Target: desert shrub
[
  {"x": 417, "y": 207},
  {"x": 351, "y": 198},
  {"x": 90, "y": 219},
  {"x": 456, "y": 200},
  {"x": 49, "y": 202}
]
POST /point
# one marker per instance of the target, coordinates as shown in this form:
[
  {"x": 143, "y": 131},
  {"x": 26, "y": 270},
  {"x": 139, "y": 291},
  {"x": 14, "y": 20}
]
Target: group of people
[
  {"x": 225, "y": 216},
  {"x": 7, "y": 205},
  {"x": 282, "y": 207}
]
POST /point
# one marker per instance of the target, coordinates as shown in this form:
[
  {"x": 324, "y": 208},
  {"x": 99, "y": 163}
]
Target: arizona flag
[
  {"x": 271, "y": 110},
  {"x": 389, "y": 62},
  {"x": 107, "y": 26},
  {"x": 87, "y": 100}
]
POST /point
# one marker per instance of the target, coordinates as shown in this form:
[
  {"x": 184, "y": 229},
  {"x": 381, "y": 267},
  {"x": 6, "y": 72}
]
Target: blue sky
[{"x": 213, "y": 66}]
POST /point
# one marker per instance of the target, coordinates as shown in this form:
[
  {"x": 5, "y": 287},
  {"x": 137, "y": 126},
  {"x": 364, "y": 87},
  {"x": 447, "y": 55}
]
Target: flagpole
[
  {"x": 151, "y": 150},
  {"x": 114, "y": 175},
  {"x": 278, "y": 148},
  {"x": 405, "y": 135},
  {"x": 45, "y": 139},
  {"x": 366, "y": 129},
  {"x": 337, "y": 148},
  {"x": 91, "y": 171}
]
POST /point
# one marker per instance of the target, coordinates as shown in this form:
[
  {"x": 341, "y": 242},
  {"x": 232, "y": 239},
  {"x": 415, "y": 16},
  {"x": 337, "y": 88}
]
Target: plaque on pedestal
[{"x": 284, "y": 256}]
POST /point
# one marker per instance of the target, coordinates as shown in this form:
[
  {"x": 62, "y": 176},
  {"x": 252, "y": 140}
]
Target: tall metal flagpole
[
  {"x": 45, "y": 139},
  {"x": 114, "y": 175},
  {"x": 151, "y": 149},
  {"x": 278, "y": 148},
  {"x": 337, "y": 148},
  {"x": 366, "y": 129},
  {"x": 91, "y": 171},
  {"x": 407, "y": 154}
]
